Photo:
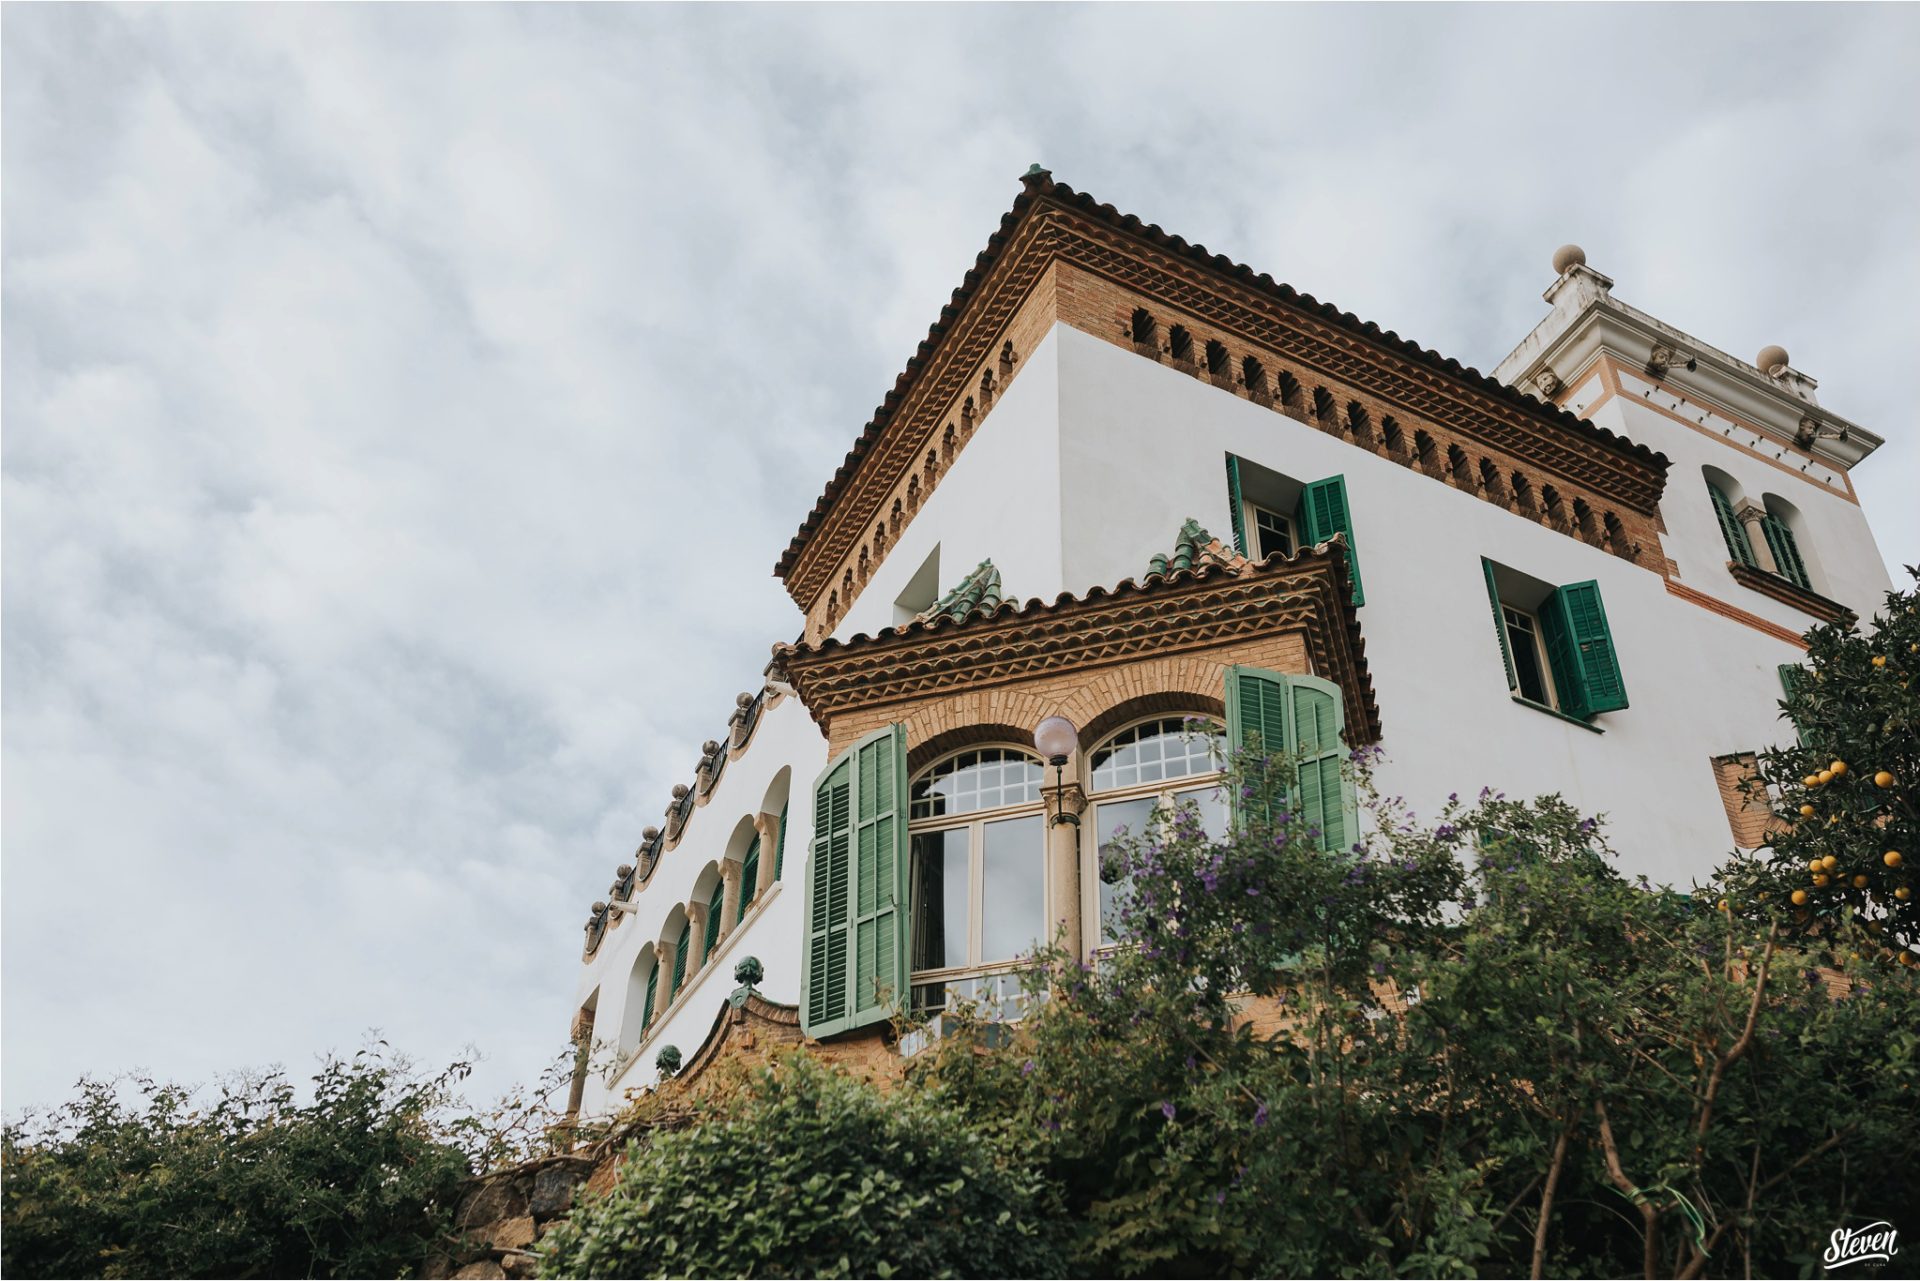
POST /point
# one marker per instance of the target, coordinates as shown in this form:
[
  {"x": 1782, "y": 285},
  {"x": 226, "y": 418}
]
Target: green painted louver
[
  {"x": 1580, "y": 650},
  {"x": 715, "y": 906},
  {"x": 1303, "y": 718},
  {"x": 680, "y": 960},
  {"x": 780, "y": 850},
  {"x": 1324, "y": 512},
  {"x": 1237, "y": 505},
  {"x": 856, "y": 953},
  {"x": 653, "y": 994},
  {"x": 1791, "y": 674},
  {"x": 1735, "y": 534},
  {"x": 1499, "y": 623},
  {"x": 749, "y": 878},
  {"x": 1786, "y": 552}
]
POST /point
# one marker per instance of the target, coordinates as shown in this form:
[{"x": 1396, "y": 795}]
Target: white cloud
[{"x": 387, "y": 389}]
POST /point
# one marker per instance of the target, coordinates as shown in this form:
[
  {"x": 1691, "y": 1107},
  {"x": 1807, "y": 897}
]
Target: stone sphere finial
[
  {"x": 743, "y": 699},
  {"x": 649, "y": 833},
  {"x": 1771, "y": 357},
  {"x": 680, "y": 791},
  {"x": 668, "y": 1060},
  {"x": 749, "y": 971},
  {"x": 1567, "y": 257}
]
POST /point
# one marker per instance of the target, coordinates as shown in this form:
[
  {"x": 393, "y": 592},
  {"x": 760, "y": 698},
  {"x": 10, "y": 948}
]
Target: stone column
[
  {"x": 768, "y": 825},
  {"x": 729, "y": 896},
  {"x": 697, "y": 944},
  {"x": 663, "y": 989},
  {"x": 1064, "y": 804},
  {"x": 1750, "y": 514},
  {"x": 582, "y": 1038}
]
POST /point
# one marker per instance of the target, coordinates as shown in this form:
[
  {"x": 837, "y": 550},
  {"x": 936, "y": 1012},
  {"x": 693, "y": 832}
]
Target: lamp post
[{"x": 1056, "y": 739}]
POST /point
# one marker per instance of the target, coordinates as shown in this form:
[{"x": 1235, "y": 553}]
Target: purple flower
[
  {"x": 1260, "y": 1115},
  {"x": 1026, "y": 1069},
  {"x": 1166, "y": 1110}
]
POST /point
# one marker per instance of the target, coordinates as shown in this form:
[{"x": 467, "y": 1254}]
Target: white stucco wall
[
  {"x": 1000, "y": 499},
  {"x": 1144, "y": 447}
]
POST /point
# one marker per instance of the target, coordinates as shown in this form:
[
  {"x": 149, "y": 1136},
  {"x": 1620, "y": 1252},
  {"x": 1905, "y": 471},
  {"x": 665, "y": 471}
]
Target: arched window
[
  {"x": 1783, "y": 544},
  {"x": 680, "y": 960},
  {"x": 1139, "y": 775},
  {"x": 1217, "y": 359},
  {"x": 978, "y": 874},
  {"x": 1180, "y": 343},
  {"x": 715, "y": 905},
  {"x": 1739, "y": 548},
  {"x": 643, "y": 988},
  {"x": 1143, "y": 326}
]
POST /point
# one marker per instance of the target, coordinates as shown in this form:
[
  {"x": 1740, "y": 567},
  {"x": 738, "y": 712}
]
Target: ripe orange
[
  {"x": 1891, "y": 858},
  {"x": 1860, "y": 881},
  {"x": 1806, "y": 811},
  {"x": 1830, "y": 862},
  {"x": 1815, "y": 864},
  {"x": 1903, "y": 893},
  {"x": 1821, "y": 881},
  {"x": 1799, "y": 898},
  {"x": 1879, "y": 660},
  {"x": 1883, "y": 779},
  {"x": 1838, "y": 767},
  {"x": 1811, "y": 780},
  {"x": 1723, "y": 905}
]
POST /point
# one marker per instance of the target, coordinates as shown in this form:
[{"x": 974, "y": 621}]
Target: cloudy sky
[{"x": 404, "y": 405}]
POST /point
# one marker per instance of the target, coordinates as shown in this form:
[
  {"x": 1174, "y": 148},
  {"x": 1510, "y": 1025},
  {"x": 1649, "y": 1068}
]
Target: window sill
[
  {"x": 1789, "y": 593},
  {"x": 1557, "y": 714}
]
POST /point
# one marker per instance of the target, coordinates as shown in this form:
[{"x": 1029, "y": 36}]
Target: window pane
[
  {"x": 1013, "y": 914},
  {"x": 1212, "y": 804},
  {"x": 1525, "y": 648},
  {"x": 982, "y": 780},
  {"x": 1156, "y": 751},
  {"x": 939, "y": 899},
  {"x": 1112, "y": 820},
  {"x": 1274, "y": 533}
]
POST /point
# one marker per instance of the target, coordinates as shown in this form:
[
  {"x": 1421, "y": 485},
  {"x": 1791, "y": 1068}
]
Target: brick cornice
[
  {"x": 1161, "y": 615},
  {"x": 1051, "y": 222},
  {"x": 1803, "y": 599}
]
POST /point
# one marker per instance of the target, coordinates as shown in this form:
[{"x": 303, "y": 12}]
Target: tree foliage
[
  {"x": 137, "y": 1179},
  {"x": 807, "y": 1172},
  {"x": 1845, "y": 853}
]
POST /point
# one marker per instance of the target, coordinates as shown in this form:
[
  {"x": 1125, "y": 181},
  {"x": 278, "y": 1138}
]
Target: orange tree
[{"x": 1844, "y": 862}]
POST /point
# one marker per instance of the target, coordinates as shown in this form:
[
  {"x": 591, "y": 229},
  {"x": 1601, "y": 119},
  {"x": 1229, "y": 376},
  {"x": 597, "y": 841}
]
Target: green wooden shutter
[
  {"x": 653, "y": 994},
  {"x": 780, "y": 849},
  {"x": 749, "y": 878},
  {"x": 1302, "y": 718},
  {"x": 1791, "y": 674},
  {"x": 1323, "y": 512},
  {"x": 1499, "y": 622},
  {"x": 1786, "y": 552},
  {"x": 1586, "y": 670},
  {"x": 680, "y": 960},
  {"x": 1325, "y": 796},
  {"x": 1237, "y": 505},
  {"x": 715, "y": 906},
  {"x": 856, "y": 954},
  {"x": 880, "y": 881},
  {"x": 1738, "y": 545}
]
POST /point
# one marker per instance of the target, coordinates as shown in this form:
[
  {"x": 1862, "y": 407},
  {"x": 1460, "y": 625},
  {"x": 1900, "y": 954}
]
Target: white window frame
[
  {"x": 1162, "y": 791},
  {"x": 974, "y": 822},
  {"x": 1252, "y": 517},
  {"x": 1532, "y": 621}
]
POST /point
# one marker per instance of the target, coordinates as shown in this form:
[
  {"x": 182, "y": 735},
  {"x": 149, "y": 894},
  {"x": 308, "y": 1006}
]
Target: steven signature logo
[{"x": 1875, "y": 1243}]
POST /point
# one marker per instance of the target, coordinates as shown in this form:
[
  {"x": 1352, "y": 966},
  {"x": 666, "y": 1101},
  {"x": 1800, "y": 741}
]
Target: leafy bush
[
  {"x": 807, "y": 1172},
  {"x": 356, "y": 1182}
]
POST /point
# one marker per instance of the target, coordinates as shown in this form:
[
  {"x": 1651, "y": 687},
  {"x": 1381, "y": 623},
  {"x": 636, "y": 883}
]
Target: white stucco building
[{"x": 1122, "y": 475}]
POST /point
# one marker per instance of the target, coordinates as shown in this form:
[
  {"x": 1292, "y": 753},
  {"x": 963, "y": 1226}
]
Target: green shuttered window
[
  {"x": 749, "y": 878},
  {"x": 780, "y": 850},
  {"x": 1301, "y": 717},
  {"x": 1499, "y": 623},
  {"x": 856, "y": 951},
  {"x": 1735, "y": 534},
  {"x": 715, "y": 906},
  {"x": 1580, "y": 650},
  {"x": 1323, "y": 513},
  {"x": 1786, "y": 552},
  {"x": 653, "y": 994},
  {"x": 1791, "y": 674},
  {"x": 680, "y": 960}
]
